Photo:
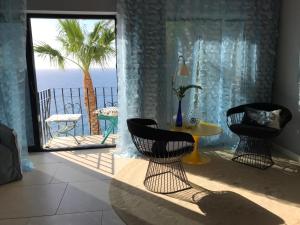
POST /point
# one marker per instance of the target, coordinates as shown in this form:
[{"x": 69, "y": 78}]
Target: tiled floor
[
  {"x": 65, "y": 188},
  {"x": 72, "y": 188}
]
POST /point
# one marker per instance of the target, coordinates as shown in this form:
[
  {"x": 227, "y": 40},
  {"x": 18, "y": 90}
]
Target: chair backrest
[
  {"x": 47, "y": 105},
  {"x": 285, "y": 115},
  {"x": 147, "y": 138},
  {"x": 110, "y": 104},
  {"x": 72, "y": 108}
]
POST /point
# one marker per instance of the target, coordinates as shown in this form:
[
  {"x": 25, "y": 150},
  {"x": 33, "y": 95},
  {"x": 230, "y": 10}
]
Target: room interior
[{"x": 208, "y": 123}]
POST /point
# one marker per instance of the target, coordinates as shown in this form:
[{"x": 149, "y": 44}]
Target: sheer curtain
[
  {"x": 141, "y": 64},
  {"x": 229, "y": 47},
  {"x": 13, "y": 73}
]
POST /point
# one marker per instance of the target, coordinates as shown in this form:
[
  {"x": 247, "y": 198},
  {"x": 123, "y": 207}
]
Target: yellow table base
[{"x": 194, "y": 157}]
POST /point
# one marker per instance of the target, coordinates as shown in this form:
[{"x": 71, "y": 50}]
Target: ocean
[{"x": 72, "y": 78}]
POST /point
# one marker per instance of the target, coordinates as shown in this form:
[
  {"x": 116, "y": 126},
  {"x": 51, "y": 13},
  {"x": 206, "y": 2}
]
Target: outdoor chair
[
  {"x": 164, "y": 149},
  {"x": 66, "y": 122},
  {"x": 255, "y": 124}
]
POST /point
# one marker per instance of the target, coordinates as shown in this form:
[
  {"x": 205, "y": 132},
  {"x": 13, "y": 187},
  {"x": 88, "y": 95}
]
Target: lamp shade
[{"x": 183, "y": 70}]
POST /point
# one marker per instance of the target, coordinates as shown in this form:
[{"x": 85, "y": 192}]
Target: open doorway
[{"x": 74, "y": 64}]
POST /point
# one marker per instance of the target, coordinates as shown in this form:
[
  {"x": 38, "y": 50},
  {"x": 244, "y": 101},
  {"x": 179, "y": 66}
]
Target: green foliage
[
  {"x": 180, "y": 92},
  {"x": 70, "y": 35},
  {"x": 80, "y": 47},
  {"x": 44, "y": 50}
]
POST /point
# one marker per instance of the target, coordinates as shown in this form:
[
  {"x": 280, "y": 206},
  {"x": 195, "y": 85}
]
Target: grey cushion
[
  {"x": 9, "y": 156},
  {"x": 269, "y": 119},
  {"x": 8, "y": 170}
]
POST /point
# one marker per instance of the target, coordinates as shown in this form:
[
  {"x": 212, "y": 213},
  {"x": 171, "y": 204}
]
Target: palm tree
[{"x": 83, "y": 49}]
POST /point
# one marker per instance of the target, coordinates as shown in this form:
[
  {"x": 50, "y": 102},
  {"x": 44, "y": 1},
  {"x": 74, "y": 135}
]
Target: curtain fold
[
  {"x": 229, "y": 47},
  {"x": 140, "y": 63},
  {"x": 13, "y": 73},
  {"x": 231, "y": 53}
]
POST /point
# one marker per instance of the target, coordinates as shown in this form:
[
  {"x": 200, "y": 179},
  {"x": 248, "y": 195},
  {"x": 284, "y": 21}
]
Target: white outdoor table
[{"x": 63, "y": 118}]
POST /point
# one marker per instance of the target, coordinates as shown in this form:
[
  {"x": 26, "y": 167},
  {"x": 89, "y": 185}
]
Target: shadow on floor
[
  {"x": 136, "y": 206},
  {"x": 226, "y": 207},
  {"x": 281, "y": 181}
]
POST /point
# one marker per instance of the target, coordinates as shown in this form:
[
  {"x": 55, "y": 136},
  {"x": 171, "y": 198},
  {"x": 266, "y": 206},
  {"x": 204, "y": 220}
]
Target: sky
[{"x": 45, "y": 30}]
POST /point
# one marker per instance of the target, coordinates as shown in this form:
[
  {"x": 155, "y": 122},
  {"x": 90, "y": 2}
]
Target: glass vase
[{"x": 179, "y": 116}]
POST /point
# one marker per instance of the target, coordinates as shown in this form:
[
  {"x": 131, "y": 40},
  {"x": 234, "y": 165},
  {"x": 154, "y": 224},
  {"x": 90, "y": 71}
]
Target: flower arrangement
[{"x": 180, "y": 91}]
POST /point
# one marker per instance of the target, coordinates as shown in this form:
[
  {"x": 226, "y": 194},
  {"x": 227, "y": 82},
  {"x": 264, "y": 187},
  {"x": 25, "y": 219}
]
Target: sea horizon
[{"x": 73, "y": 78}]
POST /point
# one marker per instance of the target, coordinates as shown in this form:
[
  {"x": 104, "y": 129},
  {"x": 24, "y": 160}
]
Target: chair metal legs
[
  {"x": 166, "y": 176},
  {"x": 254, "y": 152}
]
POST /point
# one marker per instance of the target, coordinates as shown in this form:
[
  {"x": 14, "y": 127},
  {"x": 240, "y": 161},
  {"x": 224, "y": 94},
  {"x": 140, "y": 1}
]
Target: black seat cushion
[
  {"x": 161, "y": 150},
  {"x": 254, "y": 131}
]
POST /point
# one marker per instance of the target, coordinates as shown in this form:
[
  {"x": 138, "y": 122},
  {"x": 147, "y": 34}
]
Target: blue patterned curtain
[
  {"x": 229, "y": 47},
  {"x": 140, "y": 57},
  {"x": 13, "y": 74}
]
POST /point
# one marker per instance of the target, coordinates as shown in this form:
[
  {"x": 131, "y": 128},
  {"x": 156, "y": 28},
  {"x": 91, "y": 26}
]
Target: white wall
[
  {"x": 72, "y": 5},
  {"x": 286, "y": 90}
]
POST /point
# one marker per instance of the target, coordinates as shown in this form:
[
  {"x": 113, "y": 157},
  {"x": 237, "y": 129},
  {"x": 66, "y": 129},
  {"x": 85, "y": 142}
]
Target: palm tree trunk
[{"x": 90, "y": 102}]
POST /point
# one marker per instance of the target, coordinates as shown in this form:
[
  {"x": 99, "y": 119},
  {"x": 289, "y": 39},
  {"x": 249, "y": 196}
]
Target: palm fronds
[
  {"x": 44, "y": 50},
  {"x": 80, "y": 47},
  {"x": 71, "y": 35}
]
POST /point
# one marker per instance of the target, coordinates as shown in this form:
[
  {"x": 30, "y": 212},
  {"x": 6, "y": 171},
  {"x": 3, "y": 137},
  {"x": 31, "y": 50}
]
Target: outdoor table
[
  {"x": 108, "y": 114},
  {"x": 70, "y": 121},
  {"x": 113, "y": 123}
]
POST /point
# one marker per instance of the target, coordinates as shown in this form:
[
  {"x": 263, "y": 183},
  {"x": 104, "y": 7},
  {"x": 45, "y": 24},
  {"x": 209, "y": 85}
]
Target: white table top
[
  {"x": 108, "y": 111},
  {"x": 63, "y": 118}
]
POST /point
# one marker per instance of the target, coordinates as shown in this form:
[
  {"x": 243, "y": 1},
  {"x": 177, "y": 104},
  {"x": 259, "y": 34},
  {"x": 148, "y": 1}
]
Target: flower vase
[{"x": 179, "y": 116}]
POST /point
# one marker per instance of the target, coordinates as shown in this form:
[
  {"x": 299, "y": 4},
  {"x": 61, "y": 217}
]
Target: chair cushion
[
  {"x": 8, "y": 170},
  {"x": 262, "y": 118},
  {"x": 254, "y": 131},
  {"x": 162, "y": 149}
]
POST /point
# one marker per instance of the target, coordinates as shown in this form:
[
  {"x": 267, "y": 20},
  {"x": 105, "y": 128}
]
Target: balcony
[{"x": 65, "y": 101}]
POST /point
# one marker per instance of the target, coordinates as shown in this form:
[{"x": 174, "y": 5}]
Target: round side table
[{"x": 203, "y": 129}]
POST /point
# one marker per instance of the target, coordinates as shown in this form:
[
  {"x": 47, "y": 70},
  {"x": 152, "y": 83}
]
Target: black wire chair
[
  {"x": 254, "y": 147},
  {"x": 165, "y": 173}
]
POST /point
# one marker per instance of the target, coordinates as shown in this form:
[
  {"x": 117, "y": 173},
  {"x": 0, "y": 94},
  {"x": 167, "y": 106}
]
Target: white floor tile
[
  {"x": 46, "y": 157},
  {"x": 71, "y": 172},
  {"x": 14, "y": 222},
  {"x": 65, "y": 188},
  {"x": 109, "y": 217},
  {"x": 89, "y": 218},
  {"x": 41, "y": 174},
  {"x": 85, "y": 196},
  {"x": 17, "y": 202}
]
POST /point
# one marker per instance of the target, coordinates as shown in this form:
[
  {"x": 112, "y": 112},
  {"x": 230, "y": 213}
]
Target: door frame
[{"x": 33, "y": 93}]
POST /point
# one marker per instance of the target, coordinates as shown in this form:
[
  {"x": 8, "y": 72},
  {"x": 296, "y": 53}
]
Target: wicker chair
[
  {"x": 165, "y": 173},
  {"x": 254, "y": 146}
]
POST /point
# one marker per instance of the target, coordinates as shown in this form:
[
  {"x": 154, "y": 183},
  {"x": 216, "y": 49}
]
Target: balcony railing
[{"x": 71, "y": 100}]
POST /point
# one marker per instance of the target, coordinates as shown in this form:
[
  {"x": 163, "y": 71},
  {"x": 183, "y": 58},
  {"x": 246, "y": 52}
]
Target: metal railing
[{"x": 54, "y": 101}]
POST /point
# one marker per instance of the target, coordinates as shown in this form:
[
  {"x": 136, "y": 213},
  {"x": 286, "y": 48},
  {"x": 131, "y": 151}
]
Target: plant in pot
[{"x": 180, "y": 93}]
